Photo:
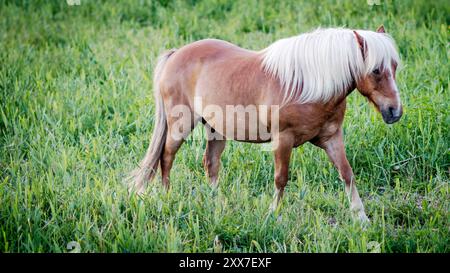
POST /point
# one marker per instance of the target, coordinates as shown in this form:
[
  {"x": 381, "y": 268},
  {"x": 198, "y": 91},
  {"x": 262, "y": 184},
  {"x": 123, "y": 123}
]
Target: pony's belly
[{"x": 243, "y": 126}]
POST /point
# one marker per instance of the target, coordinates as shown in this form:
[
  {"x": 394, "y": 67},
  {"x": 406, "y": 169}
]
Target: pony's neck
[
  {"x": 334, "y": 103},
  {"x": 338, "y": 99},
  {"x": 348, "y": 90},
  {"x": 351, "y": 88}
]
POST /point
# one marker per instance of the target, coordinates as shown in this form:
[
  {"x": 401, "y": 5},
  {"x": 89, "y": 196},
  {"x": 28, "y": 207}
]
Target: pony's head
[{"x": 377, "y": 82}]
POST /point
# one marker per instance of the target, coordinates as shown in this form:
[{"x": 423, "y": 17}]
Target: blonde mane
[{"x": 317, "y": 66}]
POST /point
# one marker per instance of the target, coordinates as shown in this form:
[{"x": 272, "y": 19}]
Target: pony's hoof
[
  {"x": 214, "y": 185},
  {"x": 362, "y": 218},
  {"x": 139, "y": 191},
  {"x": 273, "y": 207}
]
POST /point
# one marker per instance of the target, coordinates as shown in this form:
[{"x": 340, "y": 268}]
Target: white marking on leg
[
  {"x": 214, "y": 182},
  {"x": 275, "y": 202},
  {"x": 356, "y": 205}
]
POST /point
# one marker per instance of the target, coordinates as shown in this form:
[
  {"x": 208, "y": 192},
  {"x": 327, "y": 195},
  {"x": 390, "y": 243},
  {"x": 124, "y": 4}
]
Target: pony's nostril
[{"x": 392, "y": 111}]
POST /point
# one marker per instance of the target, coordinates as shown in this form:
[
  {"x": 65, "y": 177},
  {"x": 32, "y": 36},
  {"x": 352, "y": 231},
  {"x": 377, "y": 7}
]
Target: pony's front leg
[
  {"x": 282, "y": 155},
  {"x": 334, "y": 147}
]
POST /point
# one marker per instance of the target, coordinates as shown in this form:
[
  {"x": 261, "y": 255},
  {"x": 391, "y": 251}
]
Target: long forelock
[
  {"x": 381, "y": 51},
  {"x": 317, "y": 66}
]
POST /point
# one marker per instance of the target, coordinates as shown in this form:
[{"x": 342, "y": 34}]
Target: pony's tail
[{"x": 147, "y": 168}]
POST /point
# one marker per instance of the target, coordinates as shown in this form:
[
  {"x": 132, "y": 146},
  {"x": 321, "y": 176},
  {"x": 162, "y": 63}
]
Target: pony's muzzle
[{"x": 391, "y": 114}]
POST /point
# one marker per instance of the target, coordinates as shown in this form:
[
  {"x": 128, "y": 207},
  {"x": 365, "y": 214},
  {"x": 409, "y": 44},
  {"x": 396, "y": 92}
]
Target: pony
[{"x": 307, "y": 77}]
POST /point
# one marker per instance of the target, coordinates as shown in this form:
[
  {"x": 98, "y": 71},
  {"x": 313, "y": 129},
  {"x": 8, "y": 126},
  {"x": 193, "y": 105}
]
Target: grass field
[{"x": 77, "y": 115}]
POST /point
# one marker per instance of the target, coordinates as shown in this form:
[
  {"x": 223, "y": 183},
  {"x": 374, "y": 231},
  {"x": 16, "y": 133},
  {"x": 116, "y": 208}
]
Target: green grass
[{"x": 77, "y": 114}]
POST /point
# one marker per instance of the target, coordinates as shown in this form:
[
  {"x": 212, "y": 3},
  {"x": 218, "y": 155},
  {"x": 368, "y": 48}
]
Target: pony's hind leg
[
  {"x": 170, "y": 149},
  {"x": 178, "y": 130},
  {"x": 211, "y": 159}
]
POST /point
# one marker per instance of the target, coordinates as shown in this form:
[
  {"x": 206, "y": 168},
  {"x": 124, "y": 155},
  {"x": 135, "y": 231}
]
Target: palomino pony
[{"x": 307, "y": 77}]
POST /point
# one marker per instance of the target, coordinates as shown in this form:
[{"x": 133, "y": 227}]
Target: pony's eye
[{"x": 376, "y": 72}]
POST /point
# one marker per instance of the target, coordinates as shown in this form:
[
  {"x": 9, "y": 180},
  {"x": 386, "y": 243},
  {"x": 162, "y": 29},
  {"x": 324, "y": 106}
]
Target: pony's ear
[
  {"x": 380, "y": 29},
  {"x": 361, "y": 43}
]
